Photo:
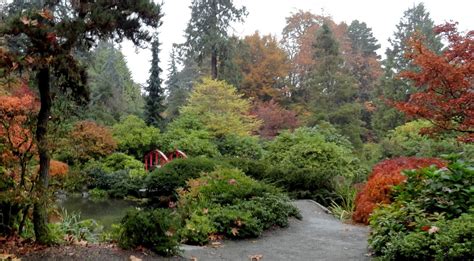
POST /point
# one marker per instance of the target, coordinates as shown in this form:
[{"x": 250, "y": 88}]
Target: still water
[{"x": 105, "y": 212}]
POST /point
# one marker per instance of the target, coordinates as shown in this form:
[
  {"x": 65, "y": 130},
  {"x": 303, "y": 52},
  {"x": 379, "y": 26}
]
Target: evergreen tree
[
  {"x": 180, "y": 83},
  {"x": 362, "y": 38},
  {"x": 206, "y": 32},
  {"x": 154, "y": 101},
  {"x": 414, "y": 20},
  {"x": 333, "y": 89}
]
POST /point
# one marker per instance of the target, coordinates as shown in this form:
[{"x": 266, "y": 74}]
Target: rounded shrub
[
  {"x": 240, "y": 147},
  {"x": 154, "y": 229}
]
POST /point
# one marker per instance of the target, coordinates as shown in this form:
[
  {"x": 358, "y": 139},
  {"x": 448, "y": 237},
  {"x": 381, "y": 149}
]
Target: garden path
[{"x": 319, "y": 236}]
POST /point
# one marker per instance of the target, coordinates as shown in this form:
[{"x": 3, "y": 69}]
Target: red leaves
[
  {"x": 90, "y": 140},
  {"x": 446, "y": 95},
  {"x": 275, "y": 118},
  {"x": 384, "y": 176}
]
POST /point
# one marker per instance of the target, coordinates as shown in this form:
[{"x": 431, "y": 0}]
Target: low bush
[
  {"x": 228, "y": 203},
  {"x": 164, "y": 181},
  {"x": 154, "y": 229},
  {"x": 118, "y": 184},
  {"x": 384, "y": 176}
]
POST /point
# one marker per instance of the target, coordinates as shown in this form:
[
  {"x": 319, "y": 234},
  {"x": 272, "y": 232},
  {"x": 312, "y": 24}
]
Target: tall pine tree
[
  {"x": 154, "y": 101},
  {"x": 333, "y": 89},
  {"x": 392, "y": 88}
]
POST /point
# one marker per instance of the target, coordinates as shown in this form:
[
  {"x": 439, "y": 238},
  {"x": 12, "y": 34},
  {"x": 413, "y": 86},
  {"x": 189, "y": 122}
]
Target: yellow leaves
[{"x": 221, "y": 109}]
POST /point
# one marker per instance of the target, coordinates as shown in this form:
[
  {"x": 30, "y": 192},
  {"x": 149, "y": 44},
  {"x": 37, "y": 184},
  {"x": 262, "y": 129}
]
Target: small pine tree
[{"x": 154, "y": 101}]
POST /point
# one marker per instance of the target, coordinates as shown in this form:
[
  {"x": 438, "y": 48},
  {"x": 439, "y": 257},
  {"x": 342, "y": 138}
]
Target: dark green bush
[
  {"x": 252, "y": 168},
  {"x": 310, "y": 183},
  {"x": 240, "y": 147},
  {"x": 153, "y": 229},
  {"x": 235, "y": 222},
  {"x": 118, "y": 184},
  {"x": 164, "y": 181}
]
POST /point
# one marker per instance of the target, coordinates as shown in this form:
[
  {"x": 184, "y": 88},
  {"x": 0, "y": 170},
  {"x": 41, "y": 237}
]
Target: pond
[{"x": 106, "y": 212}]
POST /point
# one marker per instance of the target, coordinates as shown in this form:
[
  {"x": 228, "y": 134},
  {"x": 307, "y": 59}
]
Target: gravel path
[{"x": 319, "y": 236}]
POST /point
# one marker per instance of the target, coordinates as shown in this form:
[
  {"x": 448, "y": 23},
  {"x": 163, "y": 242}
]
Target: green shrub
[
  {"x": 235, "y": 222},
  {"x": 195, "y": 144},
  {"x": 165, "y": 180},
  {"x": 305, "y": 163},
  {"x": 431, "y": 218},
  {"x": 226, "y": 202},
  {"x": 118, "y": 184},
  {"x": 252, "y": 168},
  {"x": 447, "y": 190},
  {"x": 121, "y": 161},
  {"x": 134, "y": 137},
  {"x": 405, "y": 140},
  {"x": 197, "y": 229},
  {"x": 153, "y": 229},
  {"x": 240, "y": 147},
  {"x": 97, "y": 194}
]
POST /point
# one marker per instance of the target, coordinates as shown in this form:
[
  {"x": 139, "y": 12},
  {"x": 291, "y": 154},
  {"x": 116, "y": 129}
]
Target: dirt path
[{"x": 319, "y": 236}]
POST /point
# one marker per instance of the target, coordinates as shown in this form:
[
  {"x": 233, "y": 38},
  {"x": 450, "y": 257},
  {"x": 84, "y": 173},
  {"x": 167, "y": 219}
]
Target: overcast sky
[{"x": 268, "y": 17}]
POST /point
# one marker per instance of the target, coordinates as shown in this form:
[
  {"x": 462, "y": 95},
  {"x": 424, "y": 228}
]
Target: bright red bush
[{"x": 384, "y": 176}]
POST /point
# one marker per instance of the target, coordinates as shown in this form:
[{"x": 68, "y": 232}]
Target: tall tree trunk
[
  {"x": 39, "y": 208},
  {"x": 214, "y": 64}
]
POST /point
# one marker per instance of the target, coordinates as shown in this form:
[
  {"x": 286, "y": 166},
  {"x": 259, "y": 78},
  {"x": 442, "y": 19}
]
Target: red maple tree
[
  {"x": 445, "y": 82},
  {"x": 274, "y": 119}
]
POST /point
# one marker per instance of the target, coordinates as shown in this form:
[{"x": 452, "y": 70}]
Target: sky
[{"x": 268, "y": 17}]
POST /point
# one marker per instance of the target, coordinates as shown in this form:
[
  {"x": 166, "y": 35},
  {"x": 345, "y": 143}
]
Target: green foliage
[
  {"x": 154, "y": 106},
  {"x": 448, "y": 190},
  {"x": 121, "y": 161},
  {"x": 197, "y": 229},
  {"x": 154, "y": 229},
  {"x": 221, "y": 109},
  {"x": 164, "y": 181},
  {"x": 118, "y": 184},
  {"x": 406, "y": 140},
  {"x": 134, "y": 137},
  {"x": 77, "y": 229},
  {"x": 431, "y": 218},
  {"x": 240, "y": 147},
  {"x": 253, "y": 168},
  {"x": 113, "y": 92},
  {"x": 226, "y": 202},
  {"x": 343, "y": 207},
  {"x": 97, "y": 194}
]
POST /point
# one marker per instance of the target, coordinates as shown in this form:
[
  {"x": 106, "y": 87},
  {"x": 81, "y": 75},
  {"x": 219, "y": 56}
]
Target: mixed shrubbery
[{"x": 431, "y": 216}]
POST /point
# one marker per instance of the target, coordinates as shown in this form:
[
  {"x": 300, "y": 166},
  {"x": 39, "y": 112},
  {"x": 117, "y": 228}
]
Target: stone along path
[{"x": 319, "y": 236}]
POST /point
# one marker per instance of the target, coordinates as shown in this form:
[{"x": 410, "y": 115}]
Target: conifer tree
[{"x": 154, "y": 101}]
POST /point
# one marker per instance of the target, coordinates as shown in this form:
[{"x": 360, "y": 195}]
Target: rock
[{"x": 85, "y": 194}]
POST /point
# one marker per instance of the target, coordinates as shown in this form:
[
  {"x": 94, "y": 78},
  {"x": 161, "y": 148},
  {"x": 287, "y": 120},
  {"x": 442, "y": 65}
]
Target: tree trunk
[
  {"x": 39, "y": 208},
  {"x": 214, "y": 64}
]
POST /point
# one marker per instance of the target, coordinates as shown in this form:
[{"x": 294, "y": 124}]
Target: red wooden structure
[{"x": 156, "y": 158}]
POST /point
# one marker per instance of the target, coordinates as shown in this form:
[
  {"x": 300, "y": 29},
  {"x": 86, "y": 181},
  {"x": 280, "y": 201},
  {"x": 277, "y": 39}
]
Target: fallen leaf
[
  {"x": 205, "y": 211},
  {"x": 232, "y": 181},
  {"x": 193, "y": 258},
  {"x": 46, "y": 14},
  {"x": 235, "y": 231},
  {"x": 25, "y": 20}
]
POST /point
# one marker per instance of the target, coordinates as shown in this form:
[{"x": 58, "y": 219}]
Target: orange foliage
[
  {"x": 17, "y": 113},
  {"x": 445, "y": 83},
  {"x": 58, "y": 168},
  {"x": 264, "y": 65},
  {"x": 384, "y": 176},
  {"x": 90, "y": 140}
]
